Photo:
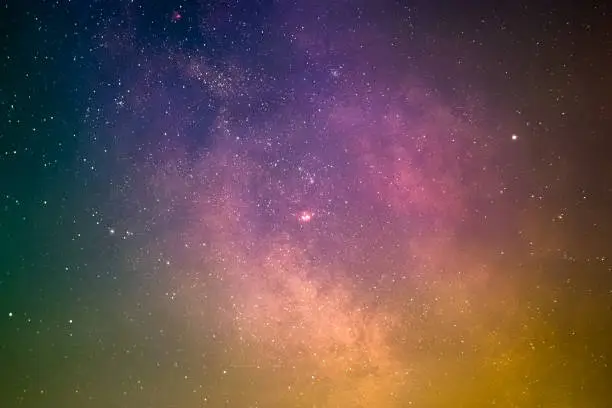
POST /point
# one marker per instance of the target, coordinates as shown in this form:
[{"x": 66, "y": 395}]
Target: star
[
  {"x": 305, "y": 217},
  {"x": 176, "y": 16}
]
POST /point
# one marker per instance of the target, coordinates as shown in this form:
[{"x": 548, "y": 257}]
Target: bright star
[{"x": 305, "y": 216}]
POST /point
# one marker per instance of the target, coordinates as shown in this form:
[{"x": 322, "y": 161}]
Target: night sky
[{"x": 305, "y": 203}]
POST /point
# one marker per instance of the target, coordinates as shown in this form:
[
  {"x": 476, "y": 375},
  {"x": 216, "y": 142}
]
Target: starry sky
[{"x": 305, "y": 203}]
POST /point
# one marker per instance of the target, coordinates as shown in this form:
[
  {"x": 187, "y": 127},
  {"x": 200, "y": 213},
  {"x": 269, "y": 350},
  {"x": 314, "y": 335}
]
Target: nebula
[{"x": 286, "y": 204}]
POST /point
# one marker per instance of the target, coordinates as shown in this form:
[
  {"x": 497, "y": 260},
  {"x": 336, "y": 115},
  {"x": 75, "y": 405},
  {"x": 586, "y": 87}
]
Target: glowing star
[
  {"x": 176, "y": 16},
  {"x": 305, "y": 216},
  {"x": 514, "y": 137}
]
